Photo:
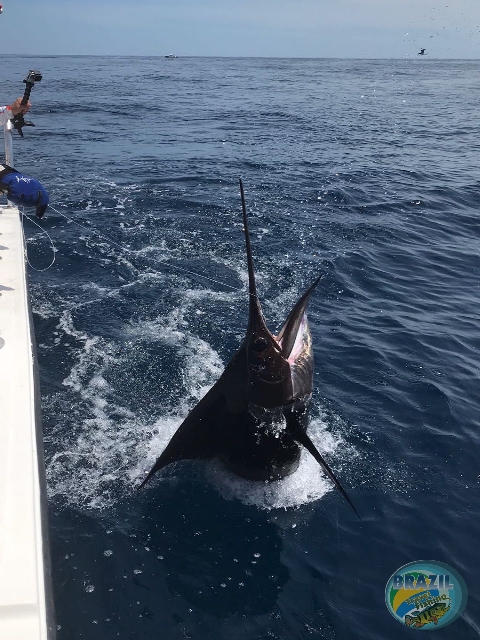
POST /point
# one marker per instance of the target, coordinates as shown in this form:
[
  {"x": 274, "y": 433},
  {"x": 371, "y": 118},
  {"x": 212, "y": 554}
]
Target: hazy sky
[{"x": 289, "y": 28}]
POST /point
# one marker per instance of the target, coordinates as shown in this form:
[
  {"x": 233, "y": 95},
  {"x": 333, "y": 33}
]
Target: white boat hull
[{"x": 25, "y": 582}]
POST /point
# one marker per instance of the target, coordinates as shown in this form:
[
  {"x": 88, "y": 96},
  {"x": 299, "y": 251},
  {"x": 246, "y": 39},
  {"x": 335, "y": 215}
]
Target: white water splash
[
  {"x": 307, "y": 484},
  {"x": 112, "y": 448}
]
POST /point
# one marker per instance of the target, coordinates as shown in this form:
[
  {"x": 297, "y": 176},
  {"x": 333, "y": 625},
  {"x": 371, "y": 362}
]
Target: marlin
[{"x": 255, "y": 417}]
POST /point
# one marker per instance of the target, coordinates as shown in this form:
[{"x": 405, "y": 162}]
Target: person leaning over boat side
[
  {"x": 7, "y": 113},
  {"x": 18, "y": 187}
]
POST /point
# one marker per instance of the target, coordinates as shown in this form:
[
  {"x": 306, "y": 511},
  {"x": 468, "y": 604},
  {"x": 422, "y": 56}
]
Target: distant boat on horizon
[{"x": 170, "y": 56}]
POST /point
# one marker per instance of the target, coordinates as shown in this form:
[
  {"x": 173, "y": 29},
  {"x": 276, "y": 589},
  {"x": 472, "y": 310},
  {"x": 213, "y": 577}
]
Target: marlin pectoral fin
[
  {"x": 196, "y": 437},
  {"x": 300, "y": 435},
  {"x": 288, "y": 332}
]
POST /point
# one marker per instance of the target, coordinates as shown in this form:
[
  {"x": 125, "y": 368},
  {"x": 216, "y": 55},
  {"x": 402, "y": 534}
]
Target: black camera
[
  {"x": 19, "y": 121},
  {"x": 32, "y": 77}
]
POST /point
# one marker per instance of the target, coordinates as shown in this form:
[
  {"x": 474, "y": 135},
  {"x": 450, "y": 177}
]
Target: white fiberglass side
[{"x": 24, "y": 565}]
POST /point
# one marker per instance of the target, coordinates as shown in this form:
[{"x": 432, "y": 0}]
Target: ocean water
[{"x": 364, "y": 172}]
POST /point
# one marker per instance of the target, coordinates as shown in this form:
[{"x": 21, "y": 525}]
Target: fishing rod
[{"x": 18, "y": 120}]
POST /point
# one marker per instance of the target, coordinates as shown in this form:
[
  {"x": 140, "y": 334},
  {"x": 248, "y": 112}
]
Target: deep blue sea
[{"x": 363, "y": 171}]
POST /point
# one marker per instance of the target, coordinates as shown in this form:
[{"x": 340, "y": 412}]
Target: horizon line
[{"x": 245, "y": 57}]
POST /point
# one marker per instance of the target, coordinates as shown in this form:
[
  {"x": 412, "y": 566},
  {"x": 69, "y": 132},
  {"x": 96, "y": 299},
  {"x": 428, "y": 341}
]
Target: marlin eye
[{"x": 260, "y": 345}]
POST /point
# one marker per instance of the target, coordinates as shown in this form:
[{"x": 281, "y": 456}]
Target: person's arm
[{"x": 7, "y": 113}]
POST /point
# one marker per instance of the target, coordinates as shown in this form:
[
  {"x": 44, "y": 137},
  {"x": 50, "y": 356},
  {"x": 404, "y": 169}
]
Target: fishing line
[
  {"x": 52, "y": 244},
  {"x": 126, "y": 249}
]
